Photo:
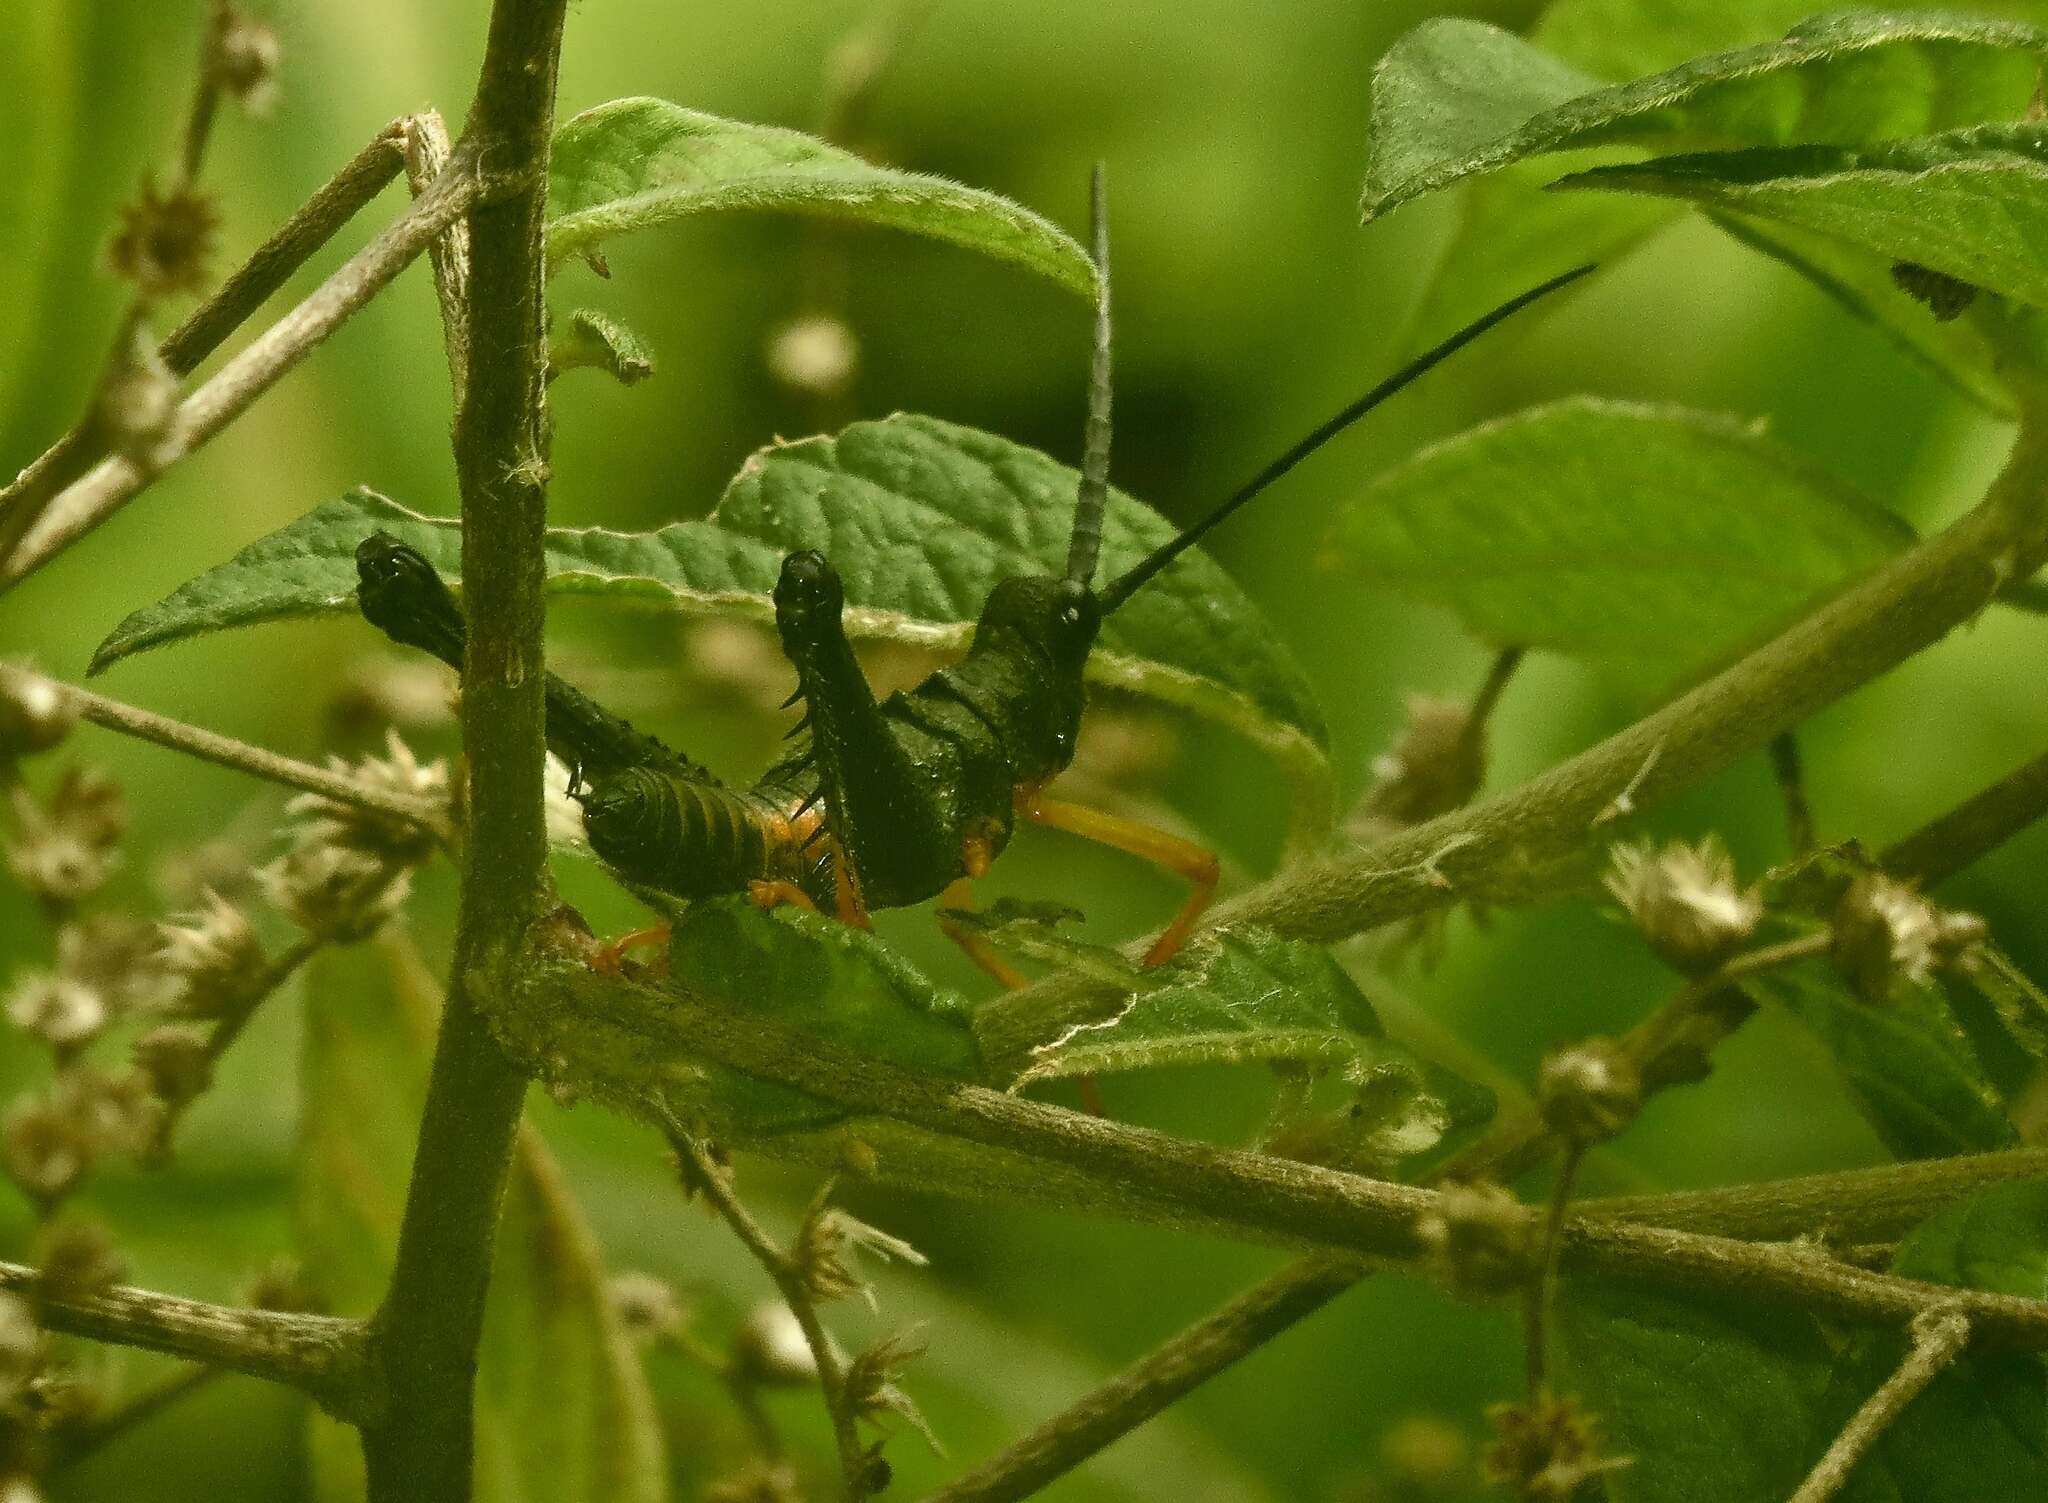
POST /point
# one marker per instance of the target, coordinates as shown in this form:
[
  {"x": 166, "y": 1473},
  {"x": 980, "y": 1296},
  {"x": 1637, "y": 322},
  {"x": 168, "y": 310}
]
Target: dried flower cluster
[
  {"x": 1546, "y": 1450},
  {"x": 824, "y": 1244},
  {"x": 1885, "y": 933}
]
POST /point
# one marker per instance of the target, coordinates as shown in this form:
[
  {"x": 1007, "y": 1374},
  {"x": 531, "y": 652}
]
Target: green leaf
[
  {"x": 1844, "y": 80},
  {"x": 1906, "y": 1063},
  {"x": 1716, "y": 1402},
  {"x": 1651, "y": 540},
  {"x": 1235, "y": 996},
  {"x": 1959, "y": 350},
  {"x": 815, "y": 975},
  {"x": 1971, "y": 204},
  {"x": 922, "y": 517},
  {"x": 593, "y": 341},
  {"x": 1980, "y": 1430},
  {"x": 563, "y": 1409},
  {"x": 633, "y": 163}
]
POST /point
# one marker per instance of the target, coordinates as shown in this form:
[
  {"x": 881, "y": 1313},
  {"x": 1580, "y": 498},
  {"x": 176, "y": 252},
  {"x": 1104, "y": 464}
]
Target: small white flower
[
  {"x": 214, "y": 957},
  {"x": 816, "y": 354},
  {"x": 334, "y": 892},
  {"x": 1885, "y": 931},
  {"x": 398, "y": 774}
]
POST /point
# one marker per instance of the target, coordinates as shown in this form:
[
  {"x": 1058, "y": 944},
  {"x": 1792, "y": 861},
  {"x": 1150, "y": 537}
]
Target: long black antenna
[
  {"x": 1094, "y": 495},
  {"x": 1117, "y": 593}
]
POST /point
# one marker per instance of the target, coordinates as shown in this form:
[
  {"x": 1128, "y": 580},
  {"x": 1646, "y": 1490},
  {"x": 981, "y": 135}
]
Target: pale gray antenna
[{"x": 1094, "y": 496}]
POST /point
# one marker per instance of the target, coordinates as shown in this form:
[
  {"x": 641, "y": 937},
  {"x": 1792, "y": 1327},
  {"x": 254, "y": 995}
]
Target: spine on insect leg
[{"x": 402, "y": 595}]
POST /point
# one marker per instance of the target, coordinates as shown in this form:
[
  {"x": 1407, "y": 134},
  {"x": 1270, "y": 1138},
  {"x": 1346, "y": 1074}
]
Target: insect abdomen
[{"x": 688, "y": 838}]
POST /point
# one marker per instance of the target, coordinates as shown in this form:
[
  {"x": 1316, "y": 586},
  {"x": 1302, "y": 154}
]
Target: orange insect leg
[
  {"x": 1170, "y": 851},
  {"x": 609, "y": 959},
  {"x": 768, "y": 894},
  {"x": 961, "y": 896}
]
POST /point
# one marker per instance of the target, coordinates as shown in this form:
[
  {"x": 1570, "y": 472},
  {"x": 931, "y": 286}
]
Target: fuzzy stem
[
  {"x": 431, "y": 1318},
  {"x": 427, "y": 153},
  {"x": 1939, "y": 1336},
  {"x": 226, "y": 751},
  {"x": 320, "y": 1354},
  {"x": 1540, "y": 1298}
]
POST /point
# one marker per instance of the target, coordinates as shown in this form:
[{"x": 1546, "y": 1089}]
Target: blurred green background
[{"x": 1249, "y": 303}]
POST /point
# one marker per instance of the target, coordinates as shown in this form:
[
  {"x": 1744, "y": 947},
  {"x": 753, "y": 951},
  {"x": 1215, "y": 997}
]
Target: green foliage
[
  {"x": 1650, "y": 540},
  {"x": 1971, "y": 204},
  {"x": 635, "y": 163},
  {"x": 816, "y": 975},
  {"x": 1713, "y": 1402},
  {"x": 38, "y": 123},
  {"x": 1843, "y": 80},
  {"x": 921, "y": 517},
  {"x": 1905, "y": 1061},
  {"x": 563, "y": 1408},
  {"x": 593, "y": 341}
]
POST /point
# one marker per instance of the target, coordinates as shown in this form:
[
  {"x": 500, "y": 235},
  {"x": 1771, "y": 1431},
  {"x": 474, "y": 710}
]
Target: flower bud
[
  {"x": 138, "y": 402},
  {"x": 35, "y": 712},
  {"x": 281, "y": 1285},
  {"x": 44, "y": 1150},
  {"x": 64, "y": 1013},
  {"x": 814, "y": 354},
  {"x": 647, "y": 1307},
  {"x": 165, "y": 240},
  {"x": 244, "y": 60},
  {"x": 1685, "y": 901},
  {"x": 214, "y": 958},
  {"x": 333, "y": 892},
  {"x": 1434, "y": 766},
  {"x": 1477, "y": 1240},
  {"x": 770, "y": 1350},
  {"x": 77, "y": 1259},
  {"x": 1885, "y": 932},
  {"x": 176, "y": 1064},
  {"x": 1589, "y": 1092}
]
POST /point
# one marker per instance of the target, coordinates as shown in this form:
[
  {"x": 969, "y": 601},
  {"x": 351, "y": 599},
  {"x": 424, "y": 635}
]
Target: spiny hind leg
[
  {"x": 959, "y": 898},
  {"x": 1184, "y": 857}
]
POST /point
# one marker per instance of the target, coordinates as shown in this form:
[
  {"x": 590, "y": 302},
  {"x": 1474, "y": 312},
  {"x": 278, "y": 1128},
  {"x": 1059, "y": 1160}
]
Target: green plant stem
[
  {"x": 432, "y": 1315},
  {"x": 1847, "y": 1207},
  {"x": 240, "y": 756},
  {"x": 1518, "y": 847},
  {"x": 1939, "y": 1337},
  {"x": 1152, "y": 1384},
  {"x": 629, "y": 1035},
  {"x": 1540, "y": 1298},
  {"x": 133, "y": 1410},
  {"x": 319, "y": 1354}
]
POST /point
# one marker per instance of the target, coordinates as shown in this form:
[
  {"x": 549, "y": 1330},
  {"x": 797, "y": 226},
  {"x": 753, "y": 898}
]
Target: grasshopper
[{"x": 886, "y": 803}]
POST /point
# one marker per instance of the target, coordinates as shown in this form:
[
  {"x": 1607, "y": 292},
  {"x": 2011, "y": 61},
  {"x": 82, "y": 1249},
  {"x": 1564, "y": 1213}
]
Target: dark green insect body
[{"x": 887, "y": 803}]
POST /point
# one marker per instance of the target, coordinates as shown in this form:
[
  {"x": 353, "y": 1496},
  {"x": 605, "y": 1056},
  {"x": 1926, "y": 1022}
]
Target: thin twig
[
  {"x": 113, "y": 482},
  {"x": 133, "y": 1410},
  {"x": 226, "y": 751},
  {"x": 1540, "y": 1298},
  {"x": 311, "y": 226},
  {"x": 427, "y": 153},
  {"x": 1939, "y": 1337},
  {"x": 711, "y": 1179},
  {"x": 1791, "y": 776},
  {"x": 323, "y": 1355},
  {"x": 1973, "y": 829},
  {"x": 1152, "y": 1384}
]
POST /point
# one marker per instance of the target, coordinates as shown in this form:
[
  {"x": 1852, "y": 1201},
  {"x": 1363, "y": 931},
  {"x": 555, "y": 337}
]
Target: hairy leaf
[
  {"x": 1980, "y": 1430},
  {"x": 922, "y": 518},
  {"x": 1713, "y": 1401},
  {"x": 594, "y": 341},
  {"x": 1906, "y": 1063},
  {"x": 633, "y": 163},
  {"x": 1844, "y": 79},
  {"x": 1652, "y": 540},
  {"x": 815, "y": 975},
  {"x": 563, "y": 1409},
  {"x": 1971, "y": 204},
  {"x": 1238, "y": 995}
]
